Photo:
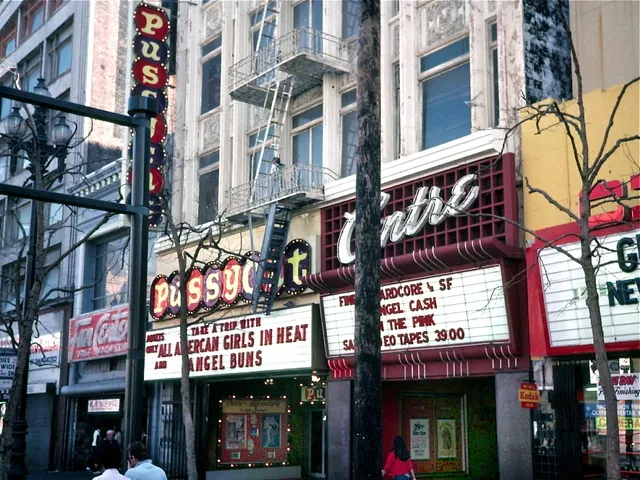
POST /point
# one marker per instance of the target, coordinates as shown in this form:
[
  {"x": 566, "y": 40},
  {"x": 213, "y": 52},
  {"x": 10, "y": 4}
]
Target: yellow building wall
[{"x": 548, "y": 162}]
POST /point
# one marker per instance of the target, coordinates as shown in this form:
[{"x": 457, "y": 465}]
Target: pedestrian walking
[
  {"x": 140, "y": 465},
  {"x": 96, "y": 440},
  {"x": 399, "y": 465},
  {"x": 110, "y": 461}
]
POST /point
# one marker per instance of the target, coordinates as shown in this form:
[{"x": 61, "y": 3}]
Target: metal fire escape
[{"x": 280, "y": 67}]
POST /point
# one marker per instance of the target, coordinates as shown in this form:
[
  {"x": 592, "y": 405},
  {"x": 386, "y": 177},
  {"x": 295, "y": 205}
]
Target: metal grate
[{"x": 496, "y": 179}]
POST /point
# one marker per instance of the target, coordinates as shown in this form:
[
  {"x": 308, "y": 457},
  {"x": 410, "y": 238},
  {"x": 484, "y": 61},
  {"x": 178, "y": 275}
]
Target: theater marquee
[
  {"x": 254, "y": 343},
  {"x": 457, "y": 309}
]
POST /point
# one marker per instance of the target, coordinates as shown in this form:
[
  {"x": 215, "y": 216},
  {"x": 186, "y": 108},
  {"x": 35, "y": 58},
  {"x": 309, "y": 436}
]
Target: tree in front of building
[{"x": 591, "y": 152}]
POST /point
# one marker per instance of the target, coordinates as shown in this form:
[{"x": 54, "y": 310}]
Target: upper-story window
[
  {"x": 110, "y": 272},
  {"x": 8, "y": 39},
  {"x": 208, "y": 186},
  {"x": 493, "y": 62},
  {"x": 21, "y": 212},
  {"x": 55, "y": 4},
  {"x": 395, "y": 8},
  {"x": 211, "y": 74},
  {"x": 60, "y": 49},
  {"x": 5, "y": 103},
  {"x": 446, "y": 92},
  {"x": 264, "y": 38},
  {"x": 307, "y": 17},
  {"x": 261, "y": 151},
  {"x": 307, "y": 137},
  {"x": 32, "y": 16},
  {"x": 30, "y": 70},
  {"x": 350, "y": 11},
  {"x": 396, "y": 109},
  {"x": 349, "y": 132}
]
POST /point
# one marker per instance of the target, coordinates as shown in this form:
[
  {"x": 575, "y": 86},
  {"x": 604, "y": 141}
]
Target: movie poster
[
  {"x": 447, "y": 439},
  {"x": 236, "y": 432},
  {"x": 419, "y": 440},
  {"x": 271, "y": 431}
]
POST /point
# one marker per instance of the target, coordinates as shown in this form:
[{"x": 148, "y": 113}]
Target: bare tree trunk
[
  {"x": 367, "y": 408},
  {"x": 185, "y": 392},
  {"x": 595, "y": 316}
]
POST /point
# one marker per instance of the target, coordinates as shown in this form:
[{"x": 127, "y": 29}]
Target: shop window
[
  {"x": 569, "y": 425},
  {"x": 349, "y": 133},
  {"x": 211, "y": 74},
  {"x": 60, "y": 48},
  {"x": 32, "y": 16},
  {"x": 446, "y": 92},
  {"x": 435, "y": 431},
  {"x": 493, "y": 62},
  {"x": 350, "y": 14},
  {"x": 208, "y": 186},
  {"x": 8, "y": 40}
]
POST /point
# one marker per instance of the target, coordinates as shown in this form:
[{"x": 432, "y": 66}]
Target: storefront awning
[
  {"x": 427, "y": 260},
  {"x": 94, "y": 387}
]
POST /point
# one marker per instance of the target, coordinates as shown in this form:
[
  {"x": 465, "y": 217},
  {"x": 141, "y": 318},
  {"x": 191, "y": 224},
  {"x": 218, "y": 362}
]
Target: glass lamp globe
[
  {"x": 41, "y": 88},
  {"x": 14, "y": 122},
  {"x": 61, "y": 131}
]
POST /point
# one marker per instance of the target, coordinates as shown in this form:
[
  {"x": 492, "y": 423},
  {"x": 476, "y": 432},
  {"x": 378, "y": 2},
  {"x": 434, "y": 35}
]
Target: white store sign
[
  {"x": 451, "y": 310},
  {"x": 254, "y": 343},
  {"x": 618, "y": 287}
]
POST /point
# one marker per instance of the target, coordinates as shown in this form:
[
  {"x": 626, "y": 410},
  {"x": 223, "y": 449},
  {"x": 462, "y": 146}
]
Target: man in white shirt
[
  {"x": 95, "y": 450},
  {"x": 110, "y": 460},
  {"x": 140, "y": 466}
]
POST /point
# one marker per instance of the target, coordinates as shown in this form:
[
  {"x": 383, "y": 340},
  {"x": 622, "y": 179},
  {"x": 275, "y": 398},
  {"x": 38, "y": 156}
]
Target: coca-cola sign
[{"x": 99, "y": 334}]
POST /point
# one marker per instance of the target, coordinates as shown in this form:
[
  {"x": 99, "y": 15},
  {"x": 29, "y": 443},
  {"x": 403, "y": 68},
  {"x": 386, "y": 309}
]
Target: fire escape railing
[
  {"x": 296, "y": 184},
  {"x": 298, "y": 41}
]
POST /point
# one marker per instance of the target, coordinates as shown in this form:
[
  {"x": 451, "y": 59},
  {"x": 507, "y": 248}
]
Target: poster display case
[{"x": 254, "y": 431}]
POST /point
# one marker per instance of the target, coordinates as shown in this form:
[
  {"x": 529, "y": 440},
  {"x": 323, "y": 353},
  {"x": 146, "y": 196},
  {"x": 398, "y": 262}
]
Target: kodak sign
[
  {"x": 149, "y": 71},
  {"x": 528, "y": 395}
]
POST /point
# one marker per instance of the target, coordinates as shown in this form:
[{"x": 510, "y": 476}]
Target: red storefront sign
[
  {"x": 99, "y": 335},
  {"x": 449, "y": 303},
  {"x": 528, "y": 395}
]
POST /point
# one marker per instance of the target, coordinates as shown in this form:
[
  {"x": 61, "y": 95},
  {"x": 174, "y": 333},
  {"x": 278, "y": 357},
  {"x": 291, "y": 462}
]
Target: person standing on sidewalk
[
  {"x": 140, "y": 466},
  {"x": 110, "y": 460}
]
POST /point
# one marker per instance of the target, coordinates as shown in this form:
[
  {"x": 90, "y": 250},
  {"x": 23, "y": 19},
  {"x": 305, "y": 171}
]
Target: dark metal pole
[
  {"x": 367, "y": 410},
  {"x": 141, "y": 109}
]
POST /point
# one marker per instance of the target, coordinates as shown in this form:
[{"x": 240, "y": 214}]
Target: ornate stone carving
[
  {"x": 257, "y": 116},
  {"x": 213, "y": 20},
  {"x": 441, "y": 21},
  {"x": 307, "y": 97},
  {"x": 210, "y": 132}
]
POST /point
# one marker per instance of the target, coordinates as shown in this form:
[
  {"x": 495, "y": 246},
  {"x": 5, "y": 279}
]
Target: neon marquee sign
[
  {"x": 150, "y": 77},
  {"x": 427, "y": 207},
  {"x": 219, "y": 285}
]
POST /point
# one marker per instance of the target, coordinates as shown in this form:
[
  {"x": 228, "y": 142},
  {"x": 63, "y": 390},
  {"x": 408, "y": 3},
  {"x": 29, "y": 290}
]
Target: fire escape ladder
[{"x": 270, "y": 264}]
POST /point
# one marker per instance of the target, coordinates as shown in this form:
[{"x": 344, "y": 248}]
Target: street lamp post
[{"x": 40, "y": 150}]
